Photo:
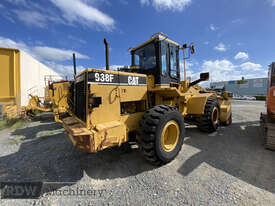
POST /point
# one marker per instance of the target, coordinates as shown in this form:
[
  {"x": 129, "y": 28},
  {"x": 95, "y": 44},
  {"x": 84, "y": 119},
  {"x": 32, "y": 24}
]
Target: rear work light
[{"x": 94, "y": 101}]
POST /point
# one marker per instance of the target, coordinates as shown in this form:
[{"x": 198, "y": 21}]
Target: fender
[{"x": 196, "y": 104}]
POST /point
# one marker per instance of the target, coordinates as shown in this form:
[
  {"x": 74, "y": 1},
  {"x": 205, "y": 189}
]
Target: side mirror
[
  {"x": 204, "y": 76},
  {"x": 192, "y": 49}
]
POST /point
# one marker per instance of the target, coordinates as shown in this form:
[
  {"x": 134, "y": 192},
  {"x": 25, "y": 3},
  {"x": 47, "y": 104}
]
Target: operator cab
[{"x": 159, "y": 57}]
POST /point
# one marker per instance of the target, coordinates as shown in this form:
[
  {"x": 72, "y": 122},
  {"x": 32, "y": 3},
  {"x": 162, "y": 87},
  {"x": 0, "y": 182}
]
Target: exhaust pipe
[
  {"x": 107, "y": 53},
  {"x": 74, "y": 64}
]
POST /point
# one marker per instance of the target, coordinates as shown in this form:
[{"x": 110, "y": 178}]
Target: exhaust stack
[
  {"x": 107, "y": 53},
  {"x": 74, "y": 64}
]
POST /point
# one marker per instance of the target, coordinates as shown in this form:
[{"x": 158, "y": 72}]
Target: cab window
[
  {"x": 173, "y": 61},
  {"x": 164, "y": 58},
  {"x": 145, "y": 57}
]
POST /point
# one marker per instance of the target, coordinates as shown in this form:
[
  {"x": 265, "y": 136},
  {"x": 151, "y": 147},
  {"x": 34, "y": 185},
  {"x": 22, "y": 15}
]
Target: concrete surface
[{"x": 228, "y": 167}]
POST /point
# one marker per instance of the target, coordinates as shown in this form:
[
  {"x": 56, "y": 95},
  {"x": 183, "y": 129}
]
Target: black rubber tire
[
  {"x": 206, "y": 122},
  {"x": 149, "y": 137}
]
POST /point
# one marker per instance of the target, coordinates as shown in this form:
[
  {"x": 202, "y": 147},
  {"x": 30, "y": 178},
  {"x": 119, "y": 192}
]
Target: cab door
[{"x": 169, "y": 59}]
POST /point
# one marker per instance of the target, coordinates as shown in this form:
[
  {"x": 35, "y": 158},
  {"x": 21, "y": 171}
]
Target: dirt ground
[{"x": 228, "y": 167}]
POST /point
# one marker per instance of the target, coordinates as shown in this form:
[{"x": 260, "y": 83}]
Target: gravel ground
[{"x": 228, "y": 167}]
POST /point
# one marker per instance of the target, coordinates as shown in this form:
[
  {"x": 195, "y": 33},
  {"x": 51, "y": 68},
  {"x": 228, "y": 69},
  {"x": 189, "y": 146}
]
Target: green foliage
[{"x": 261, "y": 98}]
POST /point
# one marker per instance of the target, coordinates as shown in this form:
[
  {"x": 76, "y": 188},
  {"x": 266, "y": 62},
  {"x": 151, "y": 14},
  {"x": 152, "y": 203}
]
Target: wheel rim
[
  {"x": 215, "y": 115},
  {"x": 170, "y": 136}
]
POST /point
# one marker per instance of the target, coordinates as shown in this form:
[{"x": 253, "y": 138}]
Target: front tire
[
  {"x": 210, "y": 120},
  {"x": 161, "y": 134}
]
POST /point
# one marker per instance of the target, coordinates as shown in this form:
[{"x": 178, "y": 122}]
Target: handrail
[{"x": 159, "y": 33}]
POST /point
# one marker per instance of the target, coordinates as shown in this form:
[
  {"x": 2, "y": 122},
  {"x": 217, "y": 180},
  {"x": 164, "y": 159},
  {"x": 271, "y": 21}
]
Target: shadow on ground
[
  {"x": 236, "y": 150},
  {"x": 52, "y": 158},
  {"x": 43, "y": 117}
]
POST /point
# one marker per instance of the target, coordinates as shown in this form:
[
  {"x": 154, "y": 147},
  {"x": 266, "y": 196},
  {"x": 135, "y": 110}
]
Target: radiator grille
[{"x": 80, "y": 100}]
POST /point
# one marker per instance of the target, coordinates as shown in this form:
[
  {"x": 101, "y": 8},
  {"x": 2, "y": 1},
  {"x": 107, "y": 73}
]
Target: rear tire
[
  {"x": 210, "y": 120},
  {"x": 161, "y": 134}
]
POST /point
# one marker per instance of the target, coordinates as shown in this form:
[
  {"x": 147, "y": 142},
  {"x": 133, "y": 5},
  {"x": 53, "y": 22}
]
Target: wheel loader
[{"x": 146, "y": 102}]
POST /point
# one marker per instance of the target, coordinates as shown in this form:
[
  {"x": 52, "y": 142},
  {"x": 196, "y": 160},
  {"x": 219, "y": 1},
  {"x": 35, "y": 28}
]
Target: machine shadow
[
  {"x": 44, "y": 117},
  {"x": 236, "y": 150},
  {"x": 38, "y": 132},
  {"x": 52, "y": 158}
]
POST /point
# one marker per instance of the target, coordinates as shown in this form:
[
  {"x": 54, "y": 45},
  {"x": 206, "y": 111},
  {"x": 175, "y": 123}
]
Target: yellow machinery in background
[
  {"x": 146, "y": 102},
  {"x": 55, "y": 100},
  {"x": 10, "y": 83}
]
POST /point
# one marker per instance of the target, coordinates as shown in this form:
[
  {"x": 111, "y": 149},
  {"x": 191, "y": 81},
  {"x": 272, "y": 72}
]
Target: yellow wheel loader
[{"x": 146, "y": 101}]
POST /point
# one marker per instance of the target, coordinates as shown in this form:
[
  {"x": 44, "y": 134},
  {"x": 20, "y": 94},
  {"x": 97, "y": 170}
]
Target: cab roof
[{"x": 159, "y": 37}]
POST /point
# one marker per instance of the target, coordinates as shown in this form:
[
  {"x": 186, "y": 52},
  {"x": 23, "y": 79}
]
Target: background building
[
  {"x": 21, "y": 75},
  {"x": 251, "y": 87}
]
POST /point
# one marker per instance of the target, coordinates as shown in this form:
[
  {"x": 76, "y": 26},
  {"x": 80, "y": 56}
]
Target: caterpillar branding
[{"x": 117, "y": 79}]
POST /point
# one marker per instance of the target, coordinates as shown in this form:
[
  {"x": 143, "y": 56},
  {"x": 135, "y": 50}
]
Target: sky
[{"x": 232, "y": 38}]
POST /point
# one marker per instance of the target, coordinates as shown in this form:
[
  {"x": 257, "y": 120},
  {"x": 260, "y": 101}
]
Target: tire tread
[{"x": 147, "y": 137}]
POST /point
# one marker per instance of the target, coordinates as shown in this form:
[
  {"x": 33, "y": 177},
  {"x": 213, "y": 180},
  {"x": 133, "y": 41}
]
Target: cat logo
[{"x": 133, "y": 80}]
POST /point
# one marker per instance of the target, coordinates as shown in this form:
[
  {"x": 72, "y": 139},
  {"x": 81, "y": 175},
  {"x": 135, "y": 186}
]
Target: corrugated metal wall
[{"x": 250, "y": 87}]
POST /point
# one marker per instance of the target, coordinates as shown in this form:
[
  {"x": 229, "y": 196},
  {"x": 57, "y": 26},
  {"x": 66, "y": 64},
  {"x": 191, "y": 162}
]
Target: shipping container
[{"x": 21, "y": 75}]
